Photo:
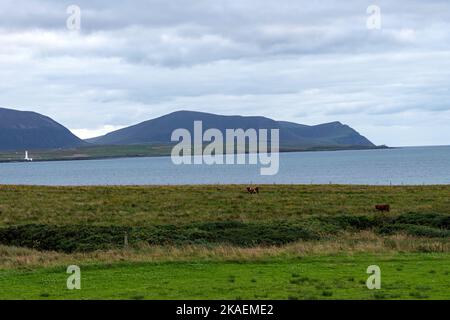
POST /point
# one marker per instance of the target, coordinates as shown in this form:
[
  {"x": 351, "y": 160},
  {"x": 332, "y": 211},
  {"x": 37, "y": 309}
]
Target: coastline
[{"x": 146, "y": 152}]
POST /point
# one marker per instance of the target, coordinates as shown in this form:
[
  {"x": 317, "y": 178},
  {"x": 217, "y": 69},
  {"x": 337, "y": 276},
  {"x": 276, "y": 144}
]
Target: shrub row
[
  {"x": 411, "y": 221},
  {"x": 70, "y": 238}
]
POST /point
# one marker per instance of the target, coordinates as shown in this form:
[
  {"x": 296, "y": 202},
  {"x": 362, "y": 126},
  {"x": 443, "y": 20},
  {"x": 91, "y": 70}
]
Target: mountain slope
[
  {"x": 159, "y": 130},
  {"x": 21, "y": 130}
]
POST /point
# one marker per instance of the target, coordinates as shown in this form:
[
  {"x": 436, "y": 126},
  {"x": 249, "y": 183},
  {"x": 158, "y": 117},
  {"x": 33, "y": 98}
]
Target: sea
[{"x": 395, "y": 166}]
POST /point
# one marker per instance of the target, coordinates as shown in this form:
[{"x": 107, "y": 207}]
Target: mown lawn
[{"x": 403, "y": 276}]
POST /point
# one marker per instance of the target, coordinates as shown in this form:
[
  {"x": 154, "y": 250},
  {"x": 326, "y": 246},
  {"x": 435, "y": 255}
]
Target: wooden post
[{"x": 125, "y": 240}]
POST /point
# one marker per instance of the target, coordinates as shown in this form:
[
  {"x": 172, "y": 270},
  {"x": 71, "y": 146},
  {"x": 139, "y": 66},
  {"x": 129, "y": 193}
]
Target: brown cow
[
  {"x": 252, "y": 190},
  {"x": 383, "y": 207}
]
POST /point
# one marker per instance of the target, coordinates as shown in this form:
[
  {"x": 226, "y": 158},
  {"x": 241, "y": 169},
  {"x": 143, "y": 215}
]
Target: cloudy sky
[{"x": 301, "y": 61}]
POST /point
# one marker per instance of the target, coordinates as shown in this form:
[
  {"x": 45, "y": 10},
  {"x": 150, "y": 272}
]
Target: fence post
[{"x": 125, "y": 240}]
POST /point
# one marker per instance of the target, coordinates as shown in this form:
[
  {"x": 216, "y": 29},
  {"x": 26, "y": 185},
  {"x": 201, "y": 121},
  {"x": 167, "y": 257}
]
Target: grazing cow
[
  {"x": 252, "y": 190},
  {"x": 383, "y": 207}
]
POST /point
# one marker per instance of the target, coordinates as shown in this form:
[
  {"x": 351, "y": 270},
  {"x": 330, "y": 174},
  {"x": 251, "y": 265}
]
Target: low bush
[
  {"x": 70, "y": 238},
  {"x": 434, "y": 220},
  {"x": 414, "y": 230}
]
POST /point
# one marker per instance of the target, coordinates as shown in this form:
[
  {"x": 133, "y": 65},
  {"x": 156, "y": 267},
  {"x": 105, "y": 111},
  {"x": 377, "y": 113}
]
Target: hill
[
  {"x": 21, "y": 130},
  {"x": 159, "y": 130}
]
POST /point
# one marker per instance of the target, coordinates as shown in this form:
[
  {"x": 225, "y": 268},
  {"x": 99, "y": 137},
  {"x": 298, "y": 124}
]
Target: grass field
[
  {"x": 143, "y": 206},
  {"x": 410, "y": 276},
  {"x": 218, "y": 242}
]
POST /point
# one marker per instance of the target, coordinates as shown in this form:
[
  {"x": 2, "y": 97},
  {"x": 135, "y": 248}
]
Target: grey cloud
[
  {"x": 292, "y": 60},
  {"x": 177, "y": 33}
]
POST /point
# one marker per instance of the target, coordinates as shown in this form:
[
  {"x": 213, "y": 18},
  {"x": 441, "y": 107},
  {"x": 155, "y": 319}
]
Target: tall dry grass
[{"x": 348, "y": 244}]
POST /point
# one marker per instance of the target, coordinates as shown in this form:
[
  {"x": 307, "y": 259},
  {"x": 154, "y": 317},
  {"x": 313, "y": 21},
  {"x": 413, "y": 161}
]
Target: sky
[{"x": 311, "y": 62}]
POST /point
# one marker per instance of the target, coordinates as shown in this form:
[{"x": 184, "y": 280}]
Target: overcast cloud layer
[{"x": 304, "y": 61}]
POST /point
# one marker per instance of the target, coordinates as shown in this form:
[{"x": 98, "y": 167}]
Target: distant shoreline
[{"x": 148, "y": 151}]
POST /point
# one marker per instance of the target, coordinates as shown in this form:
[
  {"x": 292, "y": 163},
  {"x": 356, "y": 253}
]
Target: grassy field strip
[
  {"x": 219, "y": 242},
  {"x": 407, "y": 276},
  {"x": 149, "y": 205},
  {"x": 127, "y": 151}
]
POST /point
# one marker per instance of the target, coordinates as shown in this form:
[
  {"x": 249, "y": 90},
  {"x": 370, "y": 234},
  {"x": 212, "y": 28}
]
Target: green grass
[
  {"x": 406, "y": 276},
  {"x": 218, "y": 242},
  {"x": 149, "y": 205},
  {"x": 82, "y": 238},
  {"x": 72, "y": 219}
]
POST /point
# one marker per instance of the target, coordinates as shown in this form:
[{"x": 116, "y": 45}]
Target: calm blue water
[{"x": 418, "y": 165}]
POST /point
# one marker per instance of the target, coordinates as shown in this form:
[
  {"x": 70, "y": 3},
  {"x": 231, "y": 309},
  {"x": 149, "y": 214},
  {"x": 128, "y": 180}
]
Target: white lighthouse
[{"x": 26, "y": 157}]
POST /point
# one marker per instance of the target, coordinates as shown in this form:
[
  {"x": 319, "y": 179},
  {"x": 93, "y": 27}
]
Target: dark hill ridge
[
  {"x": 20, "y": 130},
  {"x": 159, "y": 130}
]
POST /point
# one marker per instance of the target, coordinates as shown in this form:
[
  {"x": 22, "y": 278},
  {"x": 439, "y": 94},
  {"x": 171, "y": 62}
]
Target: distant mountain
[
  {"x": 159, "y": 130},
  {"x": 20, "y": 130}
]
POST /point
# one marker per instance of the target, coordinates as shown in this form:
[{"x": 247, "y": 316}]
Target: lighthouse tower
[{"x": 26, "y": 157}]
